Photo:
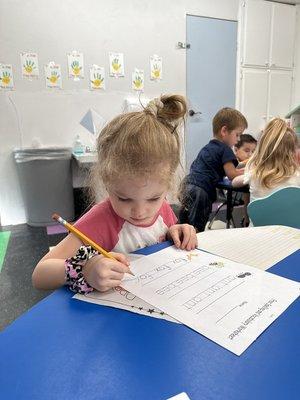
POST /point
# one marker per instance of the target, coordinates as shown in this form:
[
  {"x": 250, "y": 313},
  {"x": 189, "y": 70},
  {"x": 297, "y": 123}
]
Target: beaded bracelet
[{"x": 73, "y": 268}]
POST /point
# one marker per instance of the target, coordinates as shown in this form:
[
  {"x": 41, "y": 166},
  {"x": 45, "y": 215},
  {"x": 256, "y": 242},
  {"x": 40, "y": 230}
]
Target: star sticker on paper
[{"x": 189, "y": 256}]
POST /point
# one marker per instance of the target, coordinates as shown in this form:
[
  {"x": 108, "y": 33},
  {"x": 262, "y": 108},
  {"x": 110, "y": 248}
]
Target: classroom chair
[
  {"x": 228, "y": 196},
  {"x": 280, "y": 208}
]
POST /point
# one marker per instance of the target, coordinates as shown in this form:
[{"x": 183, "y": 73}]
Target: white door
[
  {"x": 256, "y": 33},
  {"x": 283, "y": 36},
  {"x": 280, "y": 88},
  {"x": 254, "y": 98}
]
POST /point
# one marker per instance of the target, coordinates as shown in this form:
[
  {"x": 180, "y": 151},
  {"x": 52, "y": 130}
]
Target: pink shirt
[{"x": 113, "y": 233}]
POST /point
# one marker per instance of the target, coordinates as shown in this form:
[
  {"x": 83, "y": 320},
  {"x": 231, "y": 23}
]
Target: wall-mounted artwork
[
  {"x": 75, "y": 65},
  {"x": 53, "y": 75},
  {"x": 116, "y": 64},
  {"x": 6, "y": 77},
  {"x": 29, "y": 65},
  {"x": 155, "y": 68},
  {"x": 97, "y": 77},
  {"x": 138, "y": 80}
]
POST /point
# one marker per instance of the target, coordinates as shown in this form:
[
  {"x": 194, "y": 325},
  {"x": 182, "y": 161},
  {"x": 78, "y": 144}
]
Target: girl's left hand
[
  {"x": 298, "y": 156},
  {"x": 184, "y": 236}
]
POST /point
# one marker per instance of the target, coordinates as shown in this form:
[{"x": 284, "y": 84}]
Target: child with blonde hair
[
  {"x": 138, "y": 154},
  {"x": 274, "y": 164}
]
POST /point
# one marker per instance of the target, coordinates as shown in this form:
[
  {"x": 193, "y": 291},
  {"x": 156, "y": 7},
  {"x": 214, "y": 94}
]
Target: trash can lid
[{"x": 42, "y": 153}]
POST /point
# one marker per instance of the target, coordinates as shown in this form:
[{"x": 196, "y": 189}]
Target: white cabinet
[
  {"x": 254, "y": 98},
  {"x": 283, "y": 36},
  {"x": 280, "y": 89},
  {"x": 266, "y": 53},
  {"x": 256, "y": 32},
  {"x": 265, "y": 94},
  {"x": 268, "y": 34}
]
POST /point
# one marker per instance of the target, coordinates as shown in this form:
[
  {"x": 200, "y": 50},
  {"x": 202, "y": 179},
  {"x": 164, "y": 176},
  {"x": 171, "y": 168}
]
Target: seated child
[
  {"x": 243, "y": 150},
  {"x": 214, "y": 161},
  {"x": 274, "y": 164},
  {"x": 138, "y": 154}
]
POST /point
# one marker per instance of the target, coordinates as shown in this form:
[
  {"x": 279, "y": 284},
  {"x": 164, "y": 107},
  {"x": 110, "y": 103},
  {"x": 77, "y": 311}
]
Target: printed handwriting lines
[
  {"x": 205, "y": 290},
  {"x": 202, "y": 309},
  {"x": 228, "y": 312},
  {"x": 232, "y": 309},
  {"x": 184, "y": 279},
  {"x": 160, "y": 276},
  {"x": 175, "y": 294}
]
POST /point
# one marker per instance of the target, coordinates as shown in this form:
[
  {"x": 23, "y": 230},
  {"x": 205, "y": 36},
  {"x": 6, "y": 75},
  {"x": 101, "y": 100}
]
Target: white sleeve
[
  {"x": 238, "y": 181},
  {"x": 247, "y": 176}
]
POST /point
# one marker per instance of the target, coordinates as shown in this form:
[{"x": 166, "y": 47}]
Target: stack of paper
[{"x": 260, "y": 247}]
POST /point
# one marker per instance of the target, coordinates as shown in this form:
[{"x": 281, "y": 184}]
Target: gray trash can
[{"x": 45, "y": 177}]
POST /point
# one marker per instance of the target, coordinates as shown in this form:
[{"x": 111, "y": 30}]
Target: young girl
[
  {"x": 274, "y": 164},
  {"x": 138, "y": 154}
]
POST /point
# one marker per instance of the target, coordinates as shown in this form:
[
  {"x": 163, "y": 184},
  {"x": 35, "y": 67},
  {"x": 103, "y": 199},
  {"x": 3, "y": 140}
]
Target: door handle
[{"x": 192, "y": 113}]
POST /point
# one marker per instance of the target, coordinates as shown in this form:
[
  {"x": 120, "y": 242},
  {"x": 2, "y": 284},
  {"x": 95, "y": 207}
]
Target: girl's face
[
  {"x": 245, "y": 151},
  {"x": 138, "y": 200}
]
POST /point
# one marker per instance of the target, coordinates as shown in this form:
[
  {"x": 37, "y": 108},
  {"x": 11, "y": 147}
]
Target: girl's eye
[
  {"x": 121, "y": 199},
  {"x": 155, "y": 199}
]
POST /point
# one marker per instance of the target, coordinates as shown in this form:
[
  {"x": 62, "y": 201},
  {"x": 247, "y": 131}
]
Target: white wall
[
  {"x": 296, "y": 95},
  {"x": 138, "y": 28}
]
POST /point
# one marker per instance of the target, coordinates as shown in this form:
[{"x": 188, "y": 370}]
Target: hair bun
[
  {"x": 169, "y": 109},
  {"x": 154, "y": 106}
]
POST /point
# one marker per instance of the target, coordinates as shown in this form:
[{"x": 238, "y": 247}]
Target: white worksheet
[
  {"x": 121, "y": 298},
  {"x": 229, "y": 303},
  {"x": 180, "y": 396},
  {"x": 260, "y": 247}
]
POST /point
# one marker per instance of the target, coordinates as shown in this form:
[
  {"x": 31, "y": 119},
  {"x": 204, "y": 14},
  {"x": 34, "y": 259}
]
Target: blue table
[{"x": 69, "y": 349}]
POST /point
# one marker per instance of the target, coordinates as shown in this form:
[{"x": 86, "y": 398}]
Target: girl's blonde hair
[
  {"x": 274, "y": 159},
  {"x": 136, "y": 143}
]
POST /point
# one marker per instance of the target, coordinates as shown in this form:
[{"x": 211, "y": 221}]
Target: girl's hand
[
  {"x": 298, "y": 156},
  {"x": 103, "y": 273},
  {"x": 184, "y": 236}
]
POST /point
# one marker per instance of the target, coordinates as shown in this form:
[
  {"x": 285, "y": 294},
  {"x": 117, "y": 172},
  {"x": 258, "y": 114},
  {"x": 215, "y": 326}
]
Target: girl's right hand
[{"x": 103, "y": 273}]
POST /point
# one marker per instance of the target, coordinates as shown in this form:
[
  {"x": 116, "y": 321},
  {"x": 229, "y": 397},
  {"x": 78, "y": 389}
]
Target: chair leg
[
  {"x": 229, "y": 208},
  {"x": 232, "y": 208},
  {"x": 215, "y": 215}
]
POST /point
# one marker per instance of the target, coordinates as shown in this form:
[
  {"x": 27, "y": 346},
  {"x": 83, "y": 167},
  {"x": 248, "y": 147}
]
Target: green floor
[{"x": 4, "y": 239}]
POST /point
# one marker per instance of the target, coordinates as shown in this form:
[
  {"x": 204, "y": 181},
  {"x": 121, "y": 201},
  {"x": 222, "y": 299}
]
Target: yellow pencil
[{"x": 85, "y": 239}]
